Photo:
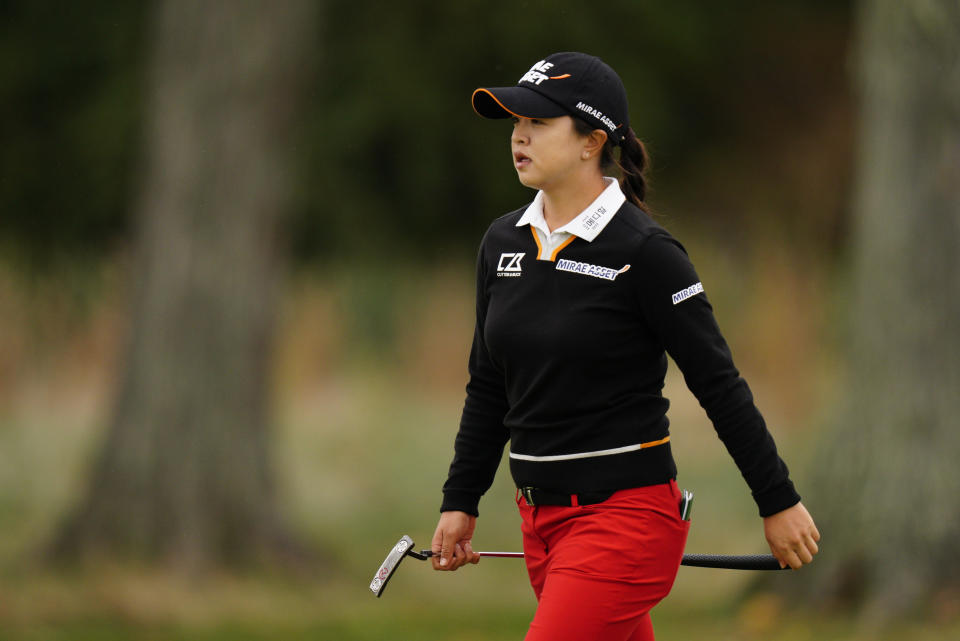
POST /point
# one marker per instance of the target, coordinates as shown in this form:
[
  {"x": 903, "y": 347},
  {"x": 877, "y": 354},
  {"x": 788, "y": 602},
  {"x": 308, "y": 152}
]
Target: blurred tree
[
  {"x": 887, "y": 499},
  {"x": 184, "y": 474}
]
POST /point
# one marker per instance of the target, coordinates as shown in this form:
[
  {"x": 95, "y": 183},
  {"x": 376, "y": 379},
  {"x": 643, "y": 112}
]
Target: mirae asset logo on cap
[
  {"x": 538, "y": 73},
  {"x": 596, "y": 113}
]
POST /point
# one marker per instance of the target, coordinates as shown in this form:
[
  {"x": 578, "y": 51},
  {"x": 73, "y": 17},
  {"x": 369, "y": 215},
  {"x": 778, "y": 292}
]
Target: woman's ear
[{"x": 594, "y": 142}]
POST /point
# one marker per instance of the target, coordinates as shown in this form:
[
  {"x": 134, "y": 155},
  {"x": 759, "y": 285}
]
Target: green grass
[{"x": 444, "y": 621}]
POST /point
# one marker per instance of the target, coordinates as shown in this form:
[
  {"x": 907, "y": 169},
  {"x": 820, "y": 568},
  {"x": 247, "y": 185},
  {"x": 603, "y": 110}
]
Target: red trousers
[{"x": 597, "y": 570}]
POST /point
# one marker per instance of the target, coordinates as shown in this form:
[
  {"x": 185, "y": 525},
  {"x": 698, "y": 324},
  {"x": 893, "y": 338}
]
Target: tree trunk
[
  {"x": 886, "y": 497},
  {"x": 184, "y": 474}
]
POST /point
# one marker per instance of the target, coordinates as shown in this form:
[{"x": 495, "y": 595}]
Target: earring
[{"x": 586, "y": 155}]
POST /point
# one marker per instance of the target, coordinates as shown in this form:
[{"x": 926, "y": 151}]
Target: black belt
[{"x": 537, "y": 496}]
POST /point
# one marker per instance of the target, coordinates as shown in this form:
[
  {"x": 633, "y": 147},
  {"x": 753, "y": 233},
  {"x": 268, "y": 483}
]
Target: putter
[{"x": 404, "y": 548}]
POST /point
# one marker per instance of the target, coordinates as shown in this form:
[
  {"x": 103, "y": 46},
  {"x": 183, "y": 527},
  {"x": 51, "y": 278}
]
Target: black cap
[{"x": 562, "y": 84}]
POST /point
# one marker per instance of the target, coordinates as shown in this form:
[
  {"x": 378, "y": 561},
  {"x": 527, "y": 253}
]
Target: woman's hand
[
  {"x": 451, "y": 542},
  {"x": 792, "y": 536}
]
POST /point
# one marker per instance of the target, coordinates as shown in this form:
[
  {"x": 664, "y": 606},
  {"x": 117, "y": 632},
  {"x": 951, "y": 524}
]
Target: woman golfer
[{"x": 580, "y": 296}]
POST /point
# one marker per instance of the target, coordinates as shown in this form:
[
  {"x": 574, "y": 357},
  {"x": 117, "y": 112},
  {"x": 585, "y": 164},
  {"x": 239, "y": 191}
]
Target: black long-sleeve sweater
[{"x": 568, "y": 364}]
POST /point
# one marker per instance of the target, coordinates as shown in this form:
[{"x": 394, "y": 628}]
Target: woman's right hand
[
  {"x": 792, "y": 536},
  {"x": 451, "y": 544}
]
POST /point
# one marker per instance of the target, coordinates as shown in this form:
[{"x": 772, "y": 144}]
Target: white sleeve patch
[{"x": 684, "y": 294}]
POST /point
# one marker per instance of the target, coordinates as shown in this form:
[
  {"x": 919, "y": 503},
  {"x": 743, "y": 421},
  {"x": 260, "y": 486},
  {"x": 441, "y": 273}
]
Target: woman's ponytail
[{"x": 633, "y": 163}]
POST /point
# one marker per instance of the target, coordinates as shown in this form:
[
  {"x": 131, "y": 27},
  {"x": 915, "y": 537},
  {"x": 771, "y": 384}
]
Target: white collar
[{"x": 588, "y": 223}]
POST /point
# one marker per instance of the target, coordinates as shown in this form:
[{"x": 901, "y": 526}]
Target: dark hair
[{"x": 632, "y": 162}]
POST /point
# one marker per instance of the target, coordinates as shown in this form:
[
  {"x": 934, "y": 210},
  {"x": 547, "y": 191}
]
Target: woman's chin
[{"x": 527, "y": 180}]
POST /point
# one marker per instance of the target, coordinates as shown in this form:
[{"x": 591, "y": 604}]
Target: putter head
[{"x": 390, "y": 564}]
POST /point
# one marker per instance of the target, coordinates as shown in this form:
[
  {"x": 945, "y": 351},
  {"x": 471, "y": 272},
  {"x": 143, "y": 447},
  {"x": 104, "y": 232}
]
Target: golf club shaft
[
  {"x": 502, "y": 555},
  {"x": 722, "y": 561}
]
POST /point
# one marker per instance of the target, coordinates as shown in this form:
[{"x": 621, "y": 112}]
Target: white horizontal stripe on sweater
[{"x": 570, "y": 457}]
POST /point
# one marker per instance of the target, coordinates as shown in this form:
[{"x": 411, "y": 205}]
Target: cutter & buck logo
[{"x": 509, "y": 265}]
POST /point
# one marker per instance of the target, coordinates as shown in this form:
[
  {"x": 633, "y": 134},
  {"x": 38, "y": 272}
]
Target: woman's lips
[{"x": 520, "y": 160}]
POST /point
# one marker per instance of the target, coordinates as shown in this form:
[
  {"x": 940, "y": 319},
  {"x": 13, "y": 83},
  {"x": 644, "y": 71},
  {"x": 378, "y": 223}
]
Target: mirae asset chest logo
[
  {"x": 587, "y": 269},
  {"x": 509, "y": 265}
]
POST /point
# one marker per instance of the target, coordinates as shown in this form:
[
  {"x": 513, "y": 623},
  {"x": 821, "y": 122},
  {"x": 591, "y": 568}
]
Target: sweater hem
[{"x": 639, "y": 468}]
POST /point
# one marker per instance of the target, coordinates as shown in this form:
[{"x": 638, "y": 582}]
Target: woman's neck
[{"x": 564, "y": 202}]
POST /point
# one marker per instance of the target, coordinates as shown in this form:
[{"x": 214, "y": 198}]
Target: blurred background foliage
[
  {"x": 747, "y": 111},
  {"x": 744, "y": 106},
  {"x": 71, "y": 95}
]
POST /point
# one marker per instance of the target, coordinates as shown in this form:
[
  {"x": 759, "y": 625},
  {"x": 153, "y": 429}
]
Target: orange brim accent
[{"x": 502, "y": 106}]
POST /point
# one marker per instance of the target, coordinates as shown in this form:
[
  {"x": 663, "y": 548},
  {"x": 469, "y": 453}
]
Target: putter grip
[{"x": 733, "y": 562}]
